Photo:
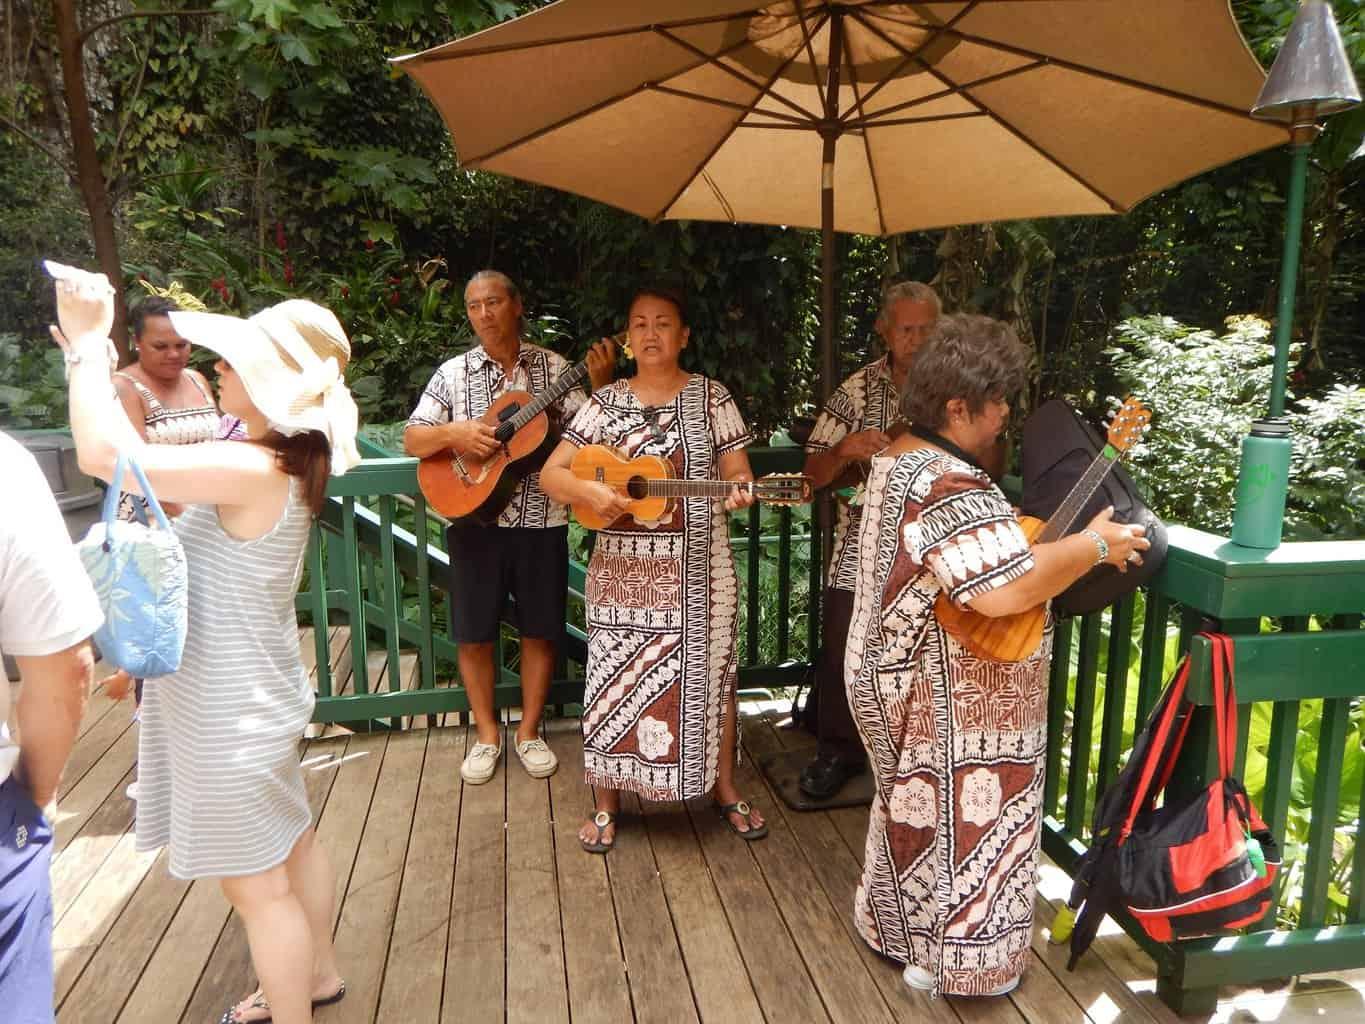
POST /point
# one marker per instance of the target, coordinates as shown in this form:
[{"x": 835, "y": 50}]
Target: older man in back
[
  {"x": 48, "y": 611},
  {"x": 855, "y": 424}
]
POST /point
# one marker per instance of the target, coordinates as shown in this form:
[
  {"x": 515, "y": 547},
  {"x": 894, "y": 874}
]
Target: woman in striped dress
[{"x": 221, "y": 782}]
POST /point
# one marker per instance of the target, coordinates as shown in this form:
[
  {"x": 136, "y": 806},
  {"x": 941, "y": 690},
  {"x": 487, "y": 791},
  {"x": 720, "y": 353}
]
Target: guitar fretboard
[
  {"x": 1070, "y": 508},
  {"x": 694, "y": 488},
  {"x": 566, "y": 382}
]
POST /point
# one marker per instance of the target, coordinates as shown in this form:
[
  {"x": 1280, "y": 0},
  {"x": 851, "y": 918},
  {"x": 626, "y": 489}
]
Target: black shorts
[{"x": 487, "y": 563}]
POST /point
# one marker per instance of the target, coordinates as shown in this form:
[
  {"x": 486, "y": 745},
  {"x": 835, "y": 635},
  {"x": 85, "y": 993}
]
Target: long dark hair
[{"x": 307, "y": 456}]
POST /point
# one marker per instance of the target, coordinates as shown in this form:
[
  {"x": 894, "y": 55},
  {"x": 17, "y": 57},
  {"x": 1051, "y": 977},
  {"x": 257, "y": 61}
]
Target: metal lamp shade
[{"x": 1311, "y": 77}]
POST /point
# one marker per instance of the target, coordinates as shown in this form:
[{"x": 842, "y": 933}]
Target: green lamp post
[{"x": 1310, "y": 79}]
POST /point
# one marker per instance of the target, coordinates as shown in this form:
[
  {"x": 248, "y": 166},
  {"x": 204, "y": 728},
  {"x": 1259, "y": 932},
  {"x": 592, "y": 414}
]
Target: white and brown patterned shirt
[
  {"x": 464, "y": 387},
  {"x": 868, "y": 400}
]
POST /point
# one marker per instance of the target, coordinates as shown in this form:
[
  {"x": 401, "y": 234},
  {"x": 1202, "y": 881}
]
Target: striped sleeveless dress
[{"x": 218, "y": 755}]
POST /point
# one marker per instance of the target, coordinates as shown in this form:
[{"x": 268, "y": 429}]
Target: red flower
[
  {"x": 395, "y": 280},
  {"x": 345, "y": 292},
  {"x": 288, "y": 271},
  {"x": 280, "y": 242},
  {"x": 369, "y": 244},
  {"x": 394, "y": 298}
]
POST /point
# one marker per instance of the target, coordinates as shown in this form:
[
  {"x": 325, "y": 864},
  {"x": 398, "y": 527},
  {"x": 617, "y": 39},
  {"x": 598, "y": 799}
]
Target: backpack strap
[{"x": 1161, "y": 753}]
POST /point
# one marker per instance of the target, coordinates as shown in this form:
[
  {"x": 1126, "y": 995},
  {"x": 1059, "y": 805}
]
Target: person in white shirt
[{"x": 48, "y": 611}]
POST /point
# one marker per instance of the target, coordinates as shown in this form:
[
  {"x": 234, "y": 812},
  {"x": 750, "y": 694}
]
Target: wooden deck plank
[
  {"x": 536, "y": 986},
  {"x": 95, "y": 719},
  {"x": 712, "y": 928},
  {"x": 781, "y": 983},
  {"x": 813, "y": 878},
  {"x": 83, "y": 854},
  {"x": 109, "y": 776},
  {"x": 78, "y": 934},
  {"x": 475, "y": 966},
  {"x": 367, "y": 914},
  {"x": 172, "y": 960},
  {"x": 227, "y": 975},
  {"x": 422, "y": 922},
  {"x": 108, "y": 976},
  {"x": 721, "y": 987},
  {"x": 654, "y": 963},
  {"x": 599, "y": 992}
]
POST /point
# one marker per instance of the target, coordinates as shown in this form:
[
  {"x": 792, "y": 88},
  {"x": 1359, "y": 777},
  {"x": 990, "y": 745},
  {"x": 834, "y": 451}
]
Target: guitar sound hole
[{"x": 637, "y": 487}]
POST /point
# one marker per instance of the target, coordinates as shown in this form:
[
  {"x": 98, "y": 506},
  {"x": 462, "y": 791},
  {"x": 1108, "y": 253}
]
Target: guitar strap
[{"x": 925, "y": 434}]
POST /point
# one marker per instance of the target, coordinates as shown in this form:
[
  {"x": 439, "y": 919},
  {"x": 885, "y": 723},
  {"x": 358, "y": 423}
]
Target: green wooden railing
[
  {"x": 1108, "y": 670},
  {"x": 376, "y": 564}
]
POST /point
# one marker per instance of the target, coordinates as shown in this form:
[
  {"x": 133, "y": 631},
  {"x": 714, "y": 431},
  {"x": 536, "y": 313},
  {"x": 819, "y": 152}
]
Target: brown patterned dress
[
  {"x": 662, "y": 602},
  {"x": 957, "y": 743}
]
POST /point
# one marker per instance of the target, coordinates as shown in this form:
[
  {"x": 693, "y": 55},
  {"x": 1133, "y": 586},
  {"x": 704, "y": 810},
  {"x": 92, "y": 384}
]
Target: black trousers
[{"x": 838, "y": 734}]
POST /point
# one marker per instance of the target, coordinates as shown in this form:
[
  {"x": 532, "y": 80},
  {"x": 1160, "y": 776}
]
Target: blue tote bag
[{"x": 141, "y": 580}]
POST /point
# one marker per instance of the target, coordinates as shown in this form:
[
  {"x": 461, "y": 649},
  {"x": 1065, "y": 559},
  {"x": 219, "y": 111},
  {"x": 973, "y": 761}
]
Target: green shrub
[{"x": 1205, "y": 389}]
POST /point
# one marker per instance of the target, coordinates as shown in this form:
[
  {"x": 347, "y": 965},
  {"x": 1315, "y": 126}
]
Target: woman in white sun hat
[{"x": 221, "y": 784}]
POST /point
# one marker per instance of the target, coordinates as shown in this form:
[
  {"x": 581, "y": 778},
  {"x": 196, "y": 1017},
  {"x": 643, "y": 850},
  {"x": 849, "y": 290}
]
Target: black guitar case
[{"x": 1058, "y": 445}]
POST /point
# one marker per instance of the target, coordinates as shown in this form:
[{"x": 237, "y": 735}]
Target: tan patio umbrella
[{"x": 915, "y": 115}]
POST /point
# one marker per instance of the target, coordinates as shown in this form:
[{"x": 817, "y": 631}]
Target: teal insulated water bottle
[{"x": 1262, "y": 483}]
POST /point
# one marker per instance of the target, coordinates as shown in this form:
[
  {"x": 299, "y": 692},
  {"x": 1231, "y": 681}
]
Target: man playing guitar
[{"x": 526, "y": 554}]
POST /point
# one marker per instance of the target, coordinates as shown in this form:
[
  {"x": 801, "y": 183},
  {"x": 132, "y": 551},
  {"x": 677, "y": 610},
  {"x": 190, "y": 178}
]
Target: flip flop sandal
[
  {"x": 601, "y": 821},
  {"x": 742, "y": 808},
  {"x": 259, "y": 1003}
]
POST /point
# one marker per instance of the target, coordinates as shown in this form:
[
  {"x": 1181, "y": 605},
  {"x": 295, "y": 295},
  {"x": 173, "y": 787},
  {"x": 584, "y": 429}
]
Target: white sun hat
[{"x": 291, "y": 358}]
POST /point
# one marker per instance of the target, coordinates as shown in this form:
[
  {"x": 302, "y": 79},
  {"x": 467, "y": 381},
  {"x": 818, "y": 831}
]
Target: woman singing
[{"x": 660, "y": 708}]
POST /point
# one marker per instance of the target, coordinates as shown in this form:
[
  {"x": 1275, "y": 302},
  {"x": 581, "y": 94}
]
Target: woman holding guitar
[
  {"x": 956, "y": 741},
  {"x": 659, "y": 714}
]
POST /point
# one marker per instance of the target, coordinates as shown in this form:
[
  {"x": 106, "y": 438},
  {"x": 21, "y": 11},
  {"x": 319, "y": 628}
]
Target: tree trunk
[{"x": 89, "y": 173}]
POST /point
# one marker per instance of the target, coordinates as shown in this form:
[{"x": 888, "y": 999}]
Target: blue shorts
[{"x": 25, "y": 909}]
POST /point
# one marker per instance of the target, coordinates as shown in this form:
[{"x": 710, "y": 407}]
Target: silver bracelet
[{"x": 1101, "y": 545}]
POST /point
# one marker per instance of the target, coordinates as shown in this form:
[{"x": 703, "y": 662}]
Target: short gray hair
[
  {"x": 510, "y": 286},
  {"x": 914, "y": 291},
  {"x": 976, "y": 358}
]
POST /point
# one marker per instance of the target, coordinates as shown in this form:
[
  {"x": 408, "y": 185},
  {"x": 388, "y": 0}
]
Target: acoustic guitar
[
  {"x": 649, "y": 484},
  {"x": 1016, "y": 637},
  {"x": 467, "y": 489}
]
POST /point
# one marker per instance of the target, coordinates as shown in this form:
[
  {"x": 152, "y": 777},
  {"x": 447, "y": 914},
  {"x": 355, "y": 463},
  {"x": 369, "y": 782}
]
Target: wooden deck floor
[{"x": 476, "y": 904}]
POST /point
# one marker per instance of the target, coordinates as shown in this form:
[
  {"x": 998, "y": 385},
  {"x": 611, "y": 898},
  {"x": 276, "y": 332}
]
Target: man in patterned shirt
[
  {"x": 526, "y": 554},
  {"x": 854, "y": 425}
]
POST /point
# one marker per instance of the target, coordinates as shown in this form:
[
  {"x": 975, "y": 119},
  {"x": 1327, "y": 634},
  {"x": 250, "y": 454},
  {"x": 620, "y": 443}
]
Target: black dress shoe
[{"x": 826, "y": 775}]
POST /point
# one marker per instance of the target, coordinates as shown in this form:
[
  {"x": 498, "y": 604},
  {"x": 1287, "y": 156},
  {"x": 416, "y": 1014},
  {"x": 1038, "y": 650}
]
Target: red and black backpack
[{"x": 1204, "y": 865}]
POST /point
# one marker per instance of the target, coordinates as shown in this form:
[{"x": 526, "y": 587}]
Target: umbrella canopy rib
[
  {"x": 726, "y": 137},
  {"x": 791, "y": 120},
  {"x": 433, "y": 56},
  {"x": 1086, "y": 69},
  {"x": 871, "y": 163},
  {"x": 912, "y": 57},
  {"x": 955, "y": 90},
  {"x": 753, "y": 83},
  {"x": 703, "y": 60},
  {"x": 1070, "y": 172}
]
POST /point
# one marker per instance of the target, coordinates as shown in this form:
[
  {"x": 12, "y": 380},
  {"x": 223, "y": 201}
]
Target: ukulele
[
  {"x": 467, "y": 489},
  {"x": 1016, "y": 637},
  {"x": 649, "y": 483}
]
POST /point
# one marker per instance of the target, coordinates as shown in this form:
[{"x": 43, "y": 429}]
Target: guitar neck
[
  {"x": 566, "y": 382},
  {"x": 1070, "y": 508},
  {"x": 694, "y": 488}
]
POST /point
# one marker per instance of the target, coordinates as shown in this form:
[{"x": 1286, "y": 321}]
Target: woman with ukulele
[
  {"x": 660, "y": 708},
  {"x": 956, "y": 742}
]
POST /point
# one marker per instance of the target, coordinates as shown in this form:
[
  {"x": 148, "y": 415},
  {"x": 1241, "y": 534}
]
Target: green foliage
[
  {"x": 1205, "y": 390},
  {"x": 32, "y": 384}
]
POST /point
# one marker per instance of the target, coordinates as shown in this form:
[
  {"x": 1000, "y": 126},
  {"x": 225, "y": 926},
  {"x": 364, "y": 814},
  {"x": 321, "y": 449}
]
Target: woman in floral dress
[
  {"x": 956, "y": 741},
  {"x": 659, "y": 715}
]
